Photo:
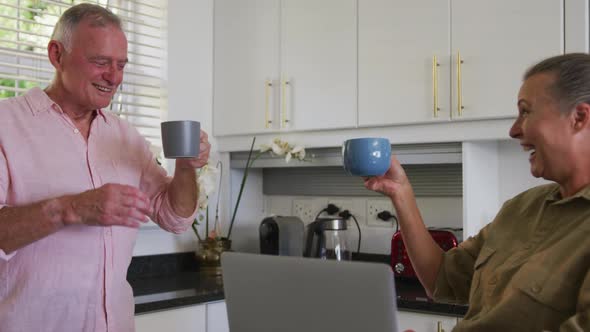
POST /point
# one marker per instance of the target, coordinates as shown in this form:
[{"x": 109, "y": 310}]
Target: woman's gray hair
[
  {"x": 572, "y": 78},
  {"x": 69, "y": 20}
]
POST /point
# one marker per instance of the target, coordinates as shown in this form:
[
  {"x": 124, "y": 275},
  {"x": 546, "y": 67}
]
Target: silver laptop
[{"x": 267, "y": 293}]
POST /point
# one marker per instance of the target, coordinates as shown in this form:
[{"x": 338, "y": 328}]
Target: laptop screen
[{"x": 267, "y": 293}]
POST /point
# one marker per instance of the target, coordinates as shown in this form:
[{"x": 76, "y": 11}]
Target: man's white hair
[{"x": 70, "y": 19}]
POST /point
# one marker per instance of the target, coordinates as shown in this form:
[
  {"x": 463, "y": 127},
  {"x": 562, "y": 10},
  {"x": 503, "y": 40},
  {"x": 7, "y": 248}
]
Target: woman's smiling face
[{"x": 542, "y": 129}]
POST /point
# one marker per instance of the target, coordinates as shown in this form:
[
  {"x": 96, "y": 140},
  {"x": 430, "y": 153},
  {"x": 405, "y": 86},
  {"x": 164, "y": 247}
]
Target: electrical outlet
[
  {"x": 356, "y": 207},
  {"x": 307, "y": 208},
  {"x": 374, "y": 207}
]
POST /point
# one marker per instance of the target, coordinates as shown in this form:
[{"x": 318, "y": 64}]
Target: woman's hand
[{"x": 390, "y": 183}]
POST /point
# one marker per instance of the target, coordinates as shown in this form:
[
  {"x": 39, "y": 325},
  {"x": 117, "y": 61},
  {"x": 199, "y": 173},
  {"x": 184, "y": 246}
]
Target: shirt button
[
  {"x": 536, "y": 288},
  {"x": 76, "y": 130},
  {"x": 494, "y": 280},
  {"x": 527, "y": 247}
]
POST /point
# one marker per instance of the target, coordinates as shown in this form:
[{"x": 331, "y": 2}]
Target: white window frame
[{"x": 141, "y": 97}]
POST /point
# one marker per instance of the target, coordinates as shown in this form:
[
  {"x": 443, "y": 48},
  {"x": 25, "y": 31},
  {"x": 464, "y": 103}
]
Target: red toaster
[{"x": 400, "y": 261}]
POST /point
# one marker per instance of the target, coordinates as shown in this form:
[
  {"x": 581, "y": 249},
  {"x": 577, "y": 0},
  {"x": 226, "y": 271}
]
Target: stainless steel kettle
[{"x": 327, "y": 238}]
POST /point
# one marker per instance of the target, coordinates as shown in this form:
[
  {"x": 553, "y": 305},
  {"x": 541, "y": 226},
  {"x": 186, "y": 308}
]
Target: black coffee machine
[{"x": 281, "y": 236}]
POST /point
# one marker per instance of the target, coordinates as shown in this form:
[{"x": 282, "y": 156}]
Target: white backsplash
[{"x": 376, "y": 235}]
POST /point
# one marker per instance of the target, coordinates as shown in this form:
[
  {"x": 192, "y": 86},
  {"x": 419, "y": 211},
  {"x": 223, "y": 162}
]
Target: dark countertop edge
[
  {"x": 150, "y": 307},
  {"x": 402, "y": 305},
  {"x": 445, "y": 309}
]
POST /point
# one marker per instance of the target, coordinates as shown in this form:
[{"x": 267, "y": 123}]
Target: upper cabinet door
[
  {"x": 319, "y": 64},
  {"x": 497, "y": 41},
  {"x": 404, "y": 67},
  {"x": 246, "y": 65}
]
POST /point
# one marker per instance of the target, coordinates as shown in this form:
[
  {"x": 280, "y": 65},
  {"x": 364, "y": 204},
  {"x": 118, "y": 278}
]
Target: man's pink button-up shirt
[{"x": 74, "y": 279}]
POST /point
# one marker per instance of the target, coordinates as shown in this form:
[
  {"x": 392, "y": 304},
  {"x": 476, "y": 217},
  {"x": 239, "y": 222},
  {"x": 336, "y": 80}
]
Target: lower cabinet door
[
  {"x": 217, "y": 317},
  {"x": 189, "y": 319},
  {"x": 419, "y": 322}
]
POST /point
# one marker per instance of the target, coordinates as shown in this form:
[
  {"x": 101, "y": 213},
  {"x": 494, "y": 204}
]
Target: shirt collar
[
  {"x": 101, "y": 114},
  {"x": 555, "y": 195},
  {"x": 40, "y": 102}
]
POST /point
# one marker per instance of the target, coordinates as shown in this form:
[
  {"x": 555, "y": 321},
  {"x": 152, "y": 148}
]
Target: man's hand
[
  {"x": 201, "y": 160},
  {"x": 111, "y": 204},
  {"x": 183, "y": 190}
]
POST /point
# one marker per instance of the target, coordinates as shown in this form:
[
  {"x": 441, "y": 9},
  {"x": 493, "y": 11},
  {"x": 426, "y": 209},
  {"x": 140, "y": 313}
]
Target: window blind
[{"x": 26, "y": 27}]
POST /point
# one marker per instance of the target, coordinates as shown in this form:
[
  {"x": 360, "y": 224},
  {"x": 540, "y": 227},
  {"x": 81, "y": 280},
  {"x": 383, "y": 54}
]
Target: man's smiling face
[{"x": 93, "y": 69}]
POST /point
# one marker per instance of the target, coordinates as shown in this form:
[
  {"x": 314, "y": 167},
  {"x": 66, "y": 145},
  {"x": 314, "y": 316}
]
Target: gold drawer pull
[
  {"x": 284, "y": 119},
  {"x": 435, "y": 107},
  {"x": 267, "y": 89},
  {"x": 459, "y": 86}
]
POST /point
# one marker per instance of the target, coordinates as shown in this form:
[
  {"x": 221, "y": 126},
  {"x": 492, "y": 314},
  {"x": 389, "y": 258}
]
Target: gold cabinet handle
[
  {"x": 435, "y": 107},
  {"x": 459, "y": 86},
  {"x": 267, "y": 90},
  {"x": 284, "y": 119},
  {"x": 439, "y": 327}
]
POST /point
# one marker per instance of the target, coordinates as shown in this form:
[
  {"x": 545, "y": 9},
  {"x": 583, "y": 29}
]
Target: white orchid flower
[
  {"x": 301, "y": 155},
  {"x": 155, "y": 150},
  {"x": 297, "y": 149},
  {"x": 283, "y": 148},
  {"x": 299, "y": 152},
  {"x": 203, "y": 200},
  {"x": 207, "y": 182},
  {"x": 278, "y": 149}
]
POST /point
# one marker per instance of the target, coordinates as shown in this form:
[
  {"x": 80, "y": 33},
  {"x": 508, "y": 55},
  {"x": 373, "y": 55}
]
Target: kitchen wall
[{"x": 189, "y": 86}]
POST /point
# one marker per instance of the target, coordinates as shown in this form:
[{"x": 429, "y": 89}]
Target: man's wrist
[
  {"x": 182, "y": 167},
  {"x": 183, "y": 175},
  {"x": 63, "y": 212}
]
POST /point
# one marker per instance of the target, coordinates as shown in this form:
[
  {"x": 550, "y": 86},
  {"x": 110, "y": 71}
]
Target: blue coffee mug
[{"x": 369, "y": 156}]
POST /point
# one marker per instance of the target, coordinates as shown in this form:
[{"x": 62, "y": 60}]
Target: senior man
[{"x": 75, "y": 184}]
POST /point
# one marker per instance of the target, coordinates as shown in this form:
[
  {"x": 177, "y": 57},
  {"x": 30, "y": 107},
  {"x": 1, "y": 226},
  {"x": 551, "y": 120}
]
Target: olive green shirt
[{"x": 528, "y": 270}]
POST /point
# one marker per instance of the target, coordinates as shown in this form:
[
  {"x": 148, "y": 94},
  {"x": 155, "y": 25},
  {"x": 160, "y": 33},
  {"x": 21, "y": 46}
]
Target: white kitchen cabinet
[
  {"x": 217, "y": 317},
  {"x": 420, "y": 322},
  {"x": 498, "y": 40},
  {"x": 282, "y": 65},
  {"x": 246, "y": 63},
  {"x": 398, "y": 42},
  {"x": 481, "y": 47},
  {"x": 319, "y": 44},
  {"x": 189, "y": 319},
  {"x": 209, "y": 317}
]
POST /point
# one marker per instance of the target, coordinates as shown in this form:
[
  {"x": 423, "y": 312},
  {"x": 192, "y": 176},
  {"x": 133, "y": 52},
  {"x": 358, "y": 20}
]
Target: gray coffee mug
[{"x": 181, "y": 139}]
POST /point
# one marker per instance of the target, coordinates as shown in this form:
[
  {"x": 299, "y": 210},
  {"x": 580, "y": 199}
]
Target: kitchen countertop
[
  {"x": 168, "y": 292},
  {"x": 190, "y": 286}
]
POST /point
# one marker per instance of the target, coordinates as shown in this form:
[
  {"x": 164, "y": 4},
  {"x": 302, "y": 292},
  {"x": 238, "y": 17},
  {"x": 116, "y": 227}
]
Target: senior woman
[{"x": 529, "y": 269}]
